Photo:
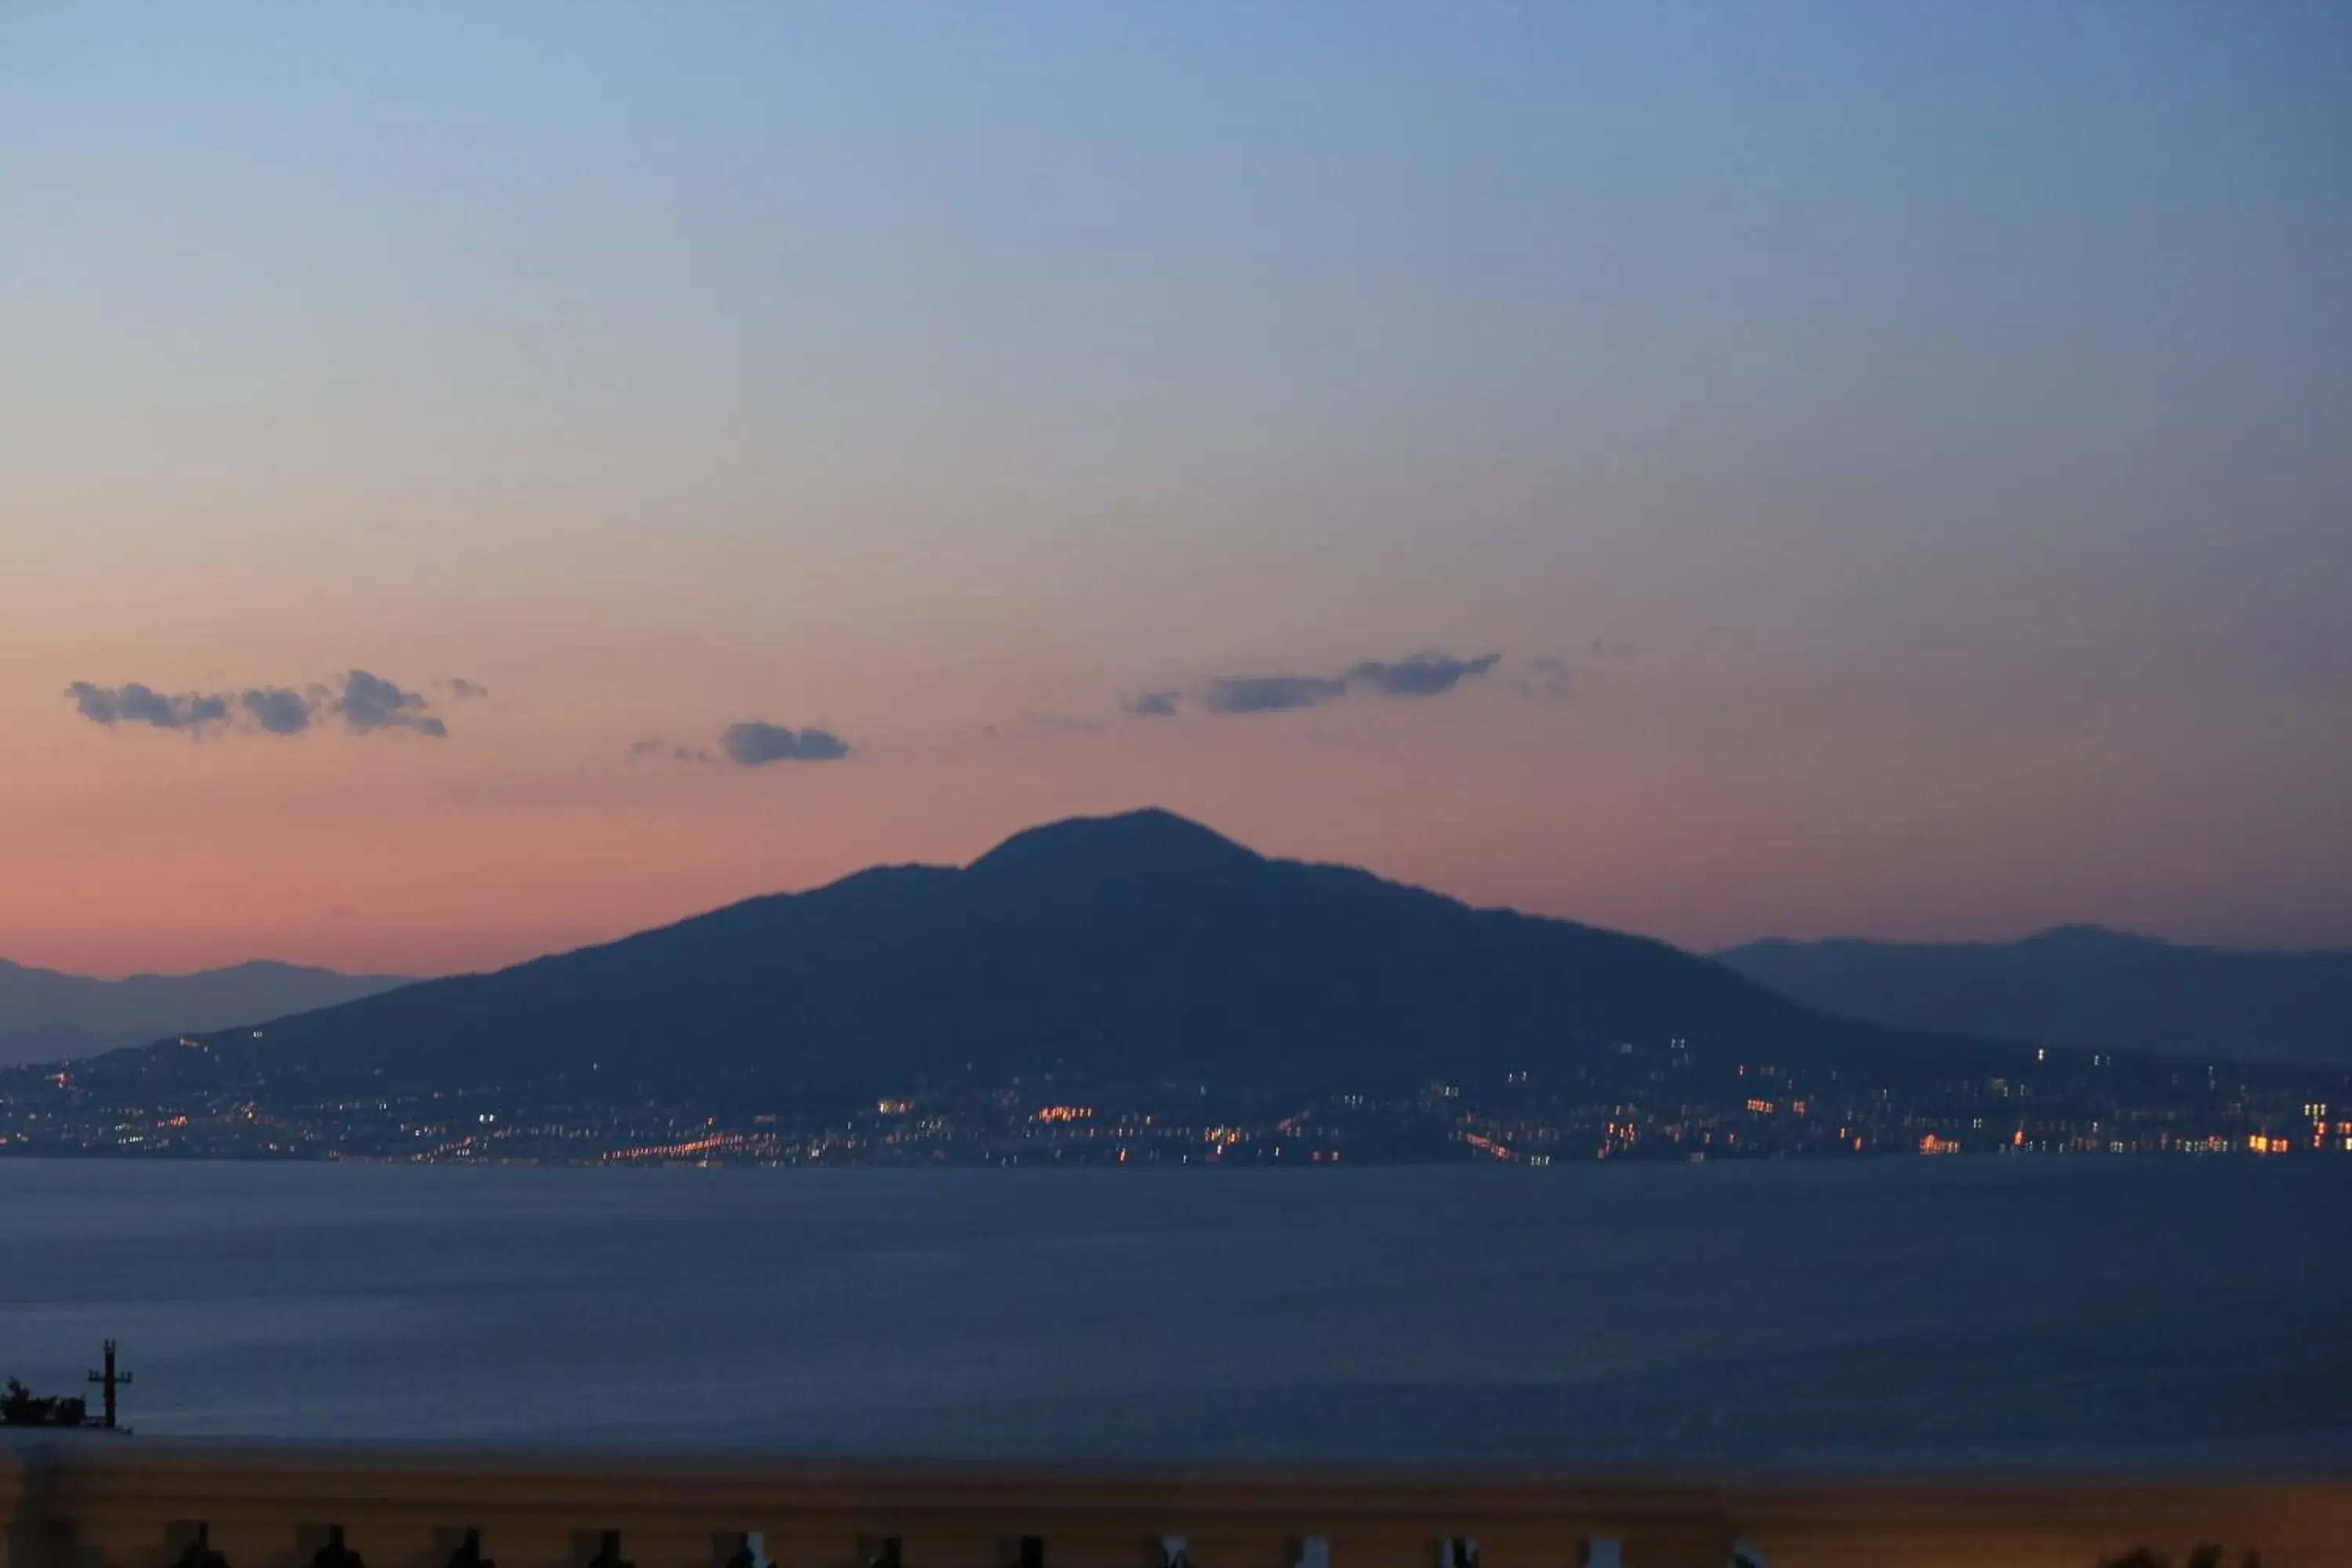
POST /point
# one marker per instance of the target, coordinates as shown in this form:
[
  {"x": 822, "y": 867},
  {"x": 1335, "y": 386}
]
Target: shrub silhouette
[{"x": 20, "y": 1406}]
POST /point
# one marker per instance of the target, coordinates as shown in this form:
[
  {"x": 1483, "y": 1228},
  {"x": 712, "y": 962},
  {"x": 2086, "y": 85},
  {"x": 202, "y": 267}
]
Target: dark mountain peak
[
  {"x": 1132, "y": 950},
  {"x": 1152, "y": 842},
  {"x": 259, "y": 969}
]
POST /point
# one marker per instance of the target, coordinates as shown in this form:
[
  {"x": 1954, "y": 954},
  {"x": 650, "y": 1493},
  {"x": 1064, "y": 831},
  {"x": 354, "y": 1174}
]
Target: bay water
[{"x": 2077, "y": 1311}]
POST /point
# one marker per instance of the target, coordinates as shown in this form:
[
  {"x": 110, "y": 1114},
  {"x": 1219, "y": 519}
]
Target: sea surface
[{"x": 1958, "y": 1313}]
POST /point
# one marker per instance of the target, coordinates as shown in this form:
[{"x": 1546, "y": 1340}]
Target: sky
[{"x": 478, "y": 481}]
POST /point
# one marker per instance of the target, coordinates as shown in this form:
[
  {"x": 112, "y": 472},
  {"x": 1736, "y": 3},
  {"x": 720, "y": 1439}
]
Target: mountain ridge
[
  {"x": 2085, "y": 986},
  {"x": 49, "y": 1015}
]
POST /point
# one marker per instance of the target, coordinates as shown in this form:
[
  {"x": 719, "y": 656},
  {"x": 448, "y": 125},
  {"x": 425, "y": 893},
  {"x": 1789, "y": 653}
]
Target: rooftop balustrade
[{"x": 93, "y": 1501}]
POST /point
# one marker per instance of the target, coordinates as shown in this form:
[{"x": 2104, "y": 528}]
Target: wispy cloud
[
  {"x": 371, "y": 702},
  {"x": 1427, "y": 674},
  {"x": 1154, "y": 704},
  {"x": 365, "y": 702},
  {"x": 1423, "y": 675},
  {"x": 1547, "y": 681},
  {"x": 133, "y": 703},
  {"x": 669, "y": 751},
  {"x": 754, "y": 744},
  {"x": 462, "y": 689},
  {"x": 280, "y": 710},
  {"x": 1270, "y": 693}
]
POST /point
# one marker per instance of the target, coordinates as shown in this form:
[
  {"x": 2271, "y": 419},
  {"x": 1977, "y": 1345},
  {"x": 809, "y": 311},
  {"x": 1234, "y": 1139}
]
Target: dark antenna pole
[{"x": 112, "y": 1380}]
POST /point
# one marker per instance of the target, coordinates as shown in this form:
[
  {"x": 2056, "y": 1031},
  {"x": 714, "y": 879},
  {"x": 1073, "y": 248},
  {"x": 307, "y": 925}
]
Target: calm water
[{"x": 1944, "y": 1312}]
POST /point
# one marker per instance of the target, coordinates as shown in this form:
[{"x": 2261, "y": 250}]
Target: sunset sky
[{"x": 1716, "y": 470}]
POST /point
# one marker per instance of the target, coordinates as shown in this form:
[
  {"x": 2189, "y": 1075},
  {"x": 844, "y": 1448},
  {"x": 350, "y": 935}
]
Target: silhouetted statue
[
  {"x": 891, "y": 1552},
  {"x": 608, "y": 1553},
  {"x": 199, "y": 1552},
  {"x": 470, "y": 1553},
  {"x": 335, "y": 1554}
]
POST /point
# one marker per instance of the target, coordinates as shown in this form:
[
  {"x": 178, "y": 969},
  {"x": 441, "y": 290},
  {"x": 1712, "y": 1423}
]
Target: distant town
[{"x": 1636, "y": 1100}]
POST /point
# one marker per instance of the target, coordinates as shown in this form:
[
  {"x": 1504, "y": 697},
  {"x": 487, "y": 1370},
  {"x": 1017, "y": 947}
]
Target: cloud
[
  {"x": 1154, "y": 705},
  {"x": 278, "y": 709},
  {"x": 371, "y": 702},
  {"x": 754, "y": 744},
  {"x": 1270, "y": 693},
  {"x": 1423, "y": 675},
  {"x": 367, "y": 702},
  {"x": 1547, "y": 681},
  {"x": 135, "y": 704},
  {"x": 674, "y": 754},
  {"x": 462, "y": 689}
]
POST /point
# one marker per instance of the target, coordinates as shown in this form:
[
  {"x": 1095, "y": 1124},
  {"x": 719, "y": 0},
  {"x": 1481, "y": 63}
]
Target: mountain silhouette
[
  {"x": 46, "y": 1015},
  {"x": 1138, "y": 948},
  {"x": 2081, "y": 985}
]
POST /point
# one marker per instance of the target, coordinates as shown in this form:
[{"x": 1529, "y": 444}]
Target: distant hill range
[
  {"x": 1134, "y": 949},
  {"x": 2080, "y": 986},
  {"x": 49, "y": 1016}
]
